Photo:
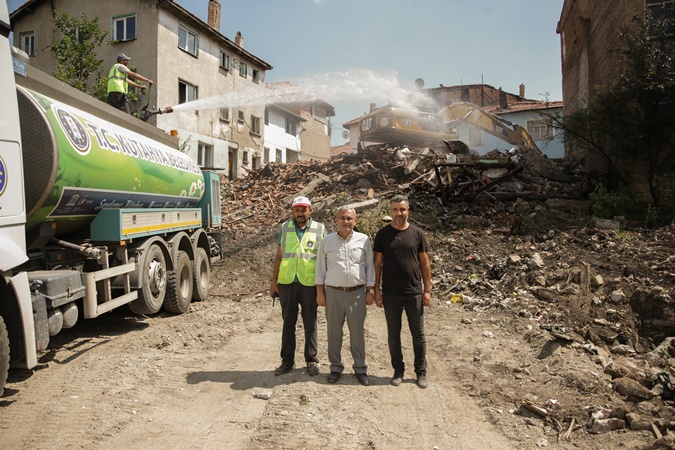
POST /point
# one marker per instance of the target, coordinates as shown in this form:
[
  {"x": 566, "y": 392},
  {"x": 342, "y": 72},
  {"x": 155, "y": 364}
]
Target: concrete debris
[
  {"x": 606, "y": 425},
  {"x": 583, "y": 290},
  {"x": 263, "y": 197},
  {"x": 632, "y": 389}
]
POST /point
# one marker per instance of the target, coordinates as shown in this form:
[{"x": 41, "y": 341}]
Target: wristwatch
[{"x": 370, "y": 290}]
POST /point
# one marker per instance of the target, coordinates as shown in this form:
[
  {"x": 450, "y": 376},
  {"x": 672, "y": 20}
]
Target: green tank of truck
[{"x": 98, "y": 210}]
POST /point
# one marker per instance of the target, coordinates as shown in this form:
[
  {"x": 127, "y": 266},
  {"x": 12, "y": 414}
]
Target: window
[
  {"x": 291, "y": 127},
  {"x": 225, "y": 114},
  {"x": 244, "y": 159},
  {"x": 187, "y": 40},
  {"x": 77, "y": 38},
  {"x": 255, "y": 125},
  {"x": 540, "y": 129},
  {"x": 256, "y": 76},
  {"x": 475, "y": 137},
  {"x": 312, "y": 110},
  {"x": 242, "y": 69},
  {"x": 124, "y": 27},
  {"x": 662, "y": 10},
  {"x": 204, "y": 155},
  {"x": 278, "y": 155},
  {"x": 186, "y": 92},
  {"x": 658, "y": 7},
  {"x": 28, "y": 43},
  {"x": 225, "y": 62},
  {"x": 240, "y": 116}
]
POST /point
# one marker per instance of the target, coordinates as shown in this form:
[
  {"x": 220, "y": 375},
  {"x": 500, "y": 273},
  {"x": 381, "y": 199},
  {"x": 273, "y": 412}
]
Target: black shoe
[
  {"x": 397, "y": 379},
  {"x": 282, "y": 369},
  {"x": 422, "y": 381},
  {"x": 333, "y": 377},
  {"x": 312, "y": 369},
  {"x": 363, "y": 379}
]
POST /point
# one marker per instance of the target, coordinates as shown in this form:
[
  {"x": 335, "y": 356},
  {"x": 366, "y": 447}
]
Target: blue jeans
[
  {"x": 296, "y": 298},
  {"x": 394, "y": 305}
]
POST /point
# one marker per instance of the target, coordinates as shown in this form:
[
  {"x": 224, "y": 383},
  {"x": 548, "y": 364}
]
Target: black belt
[{"x": 347, "y": 289}]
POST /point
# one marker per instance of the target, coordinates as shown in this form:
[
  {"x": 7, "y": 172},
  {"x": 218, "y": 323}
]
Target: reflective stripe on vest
[
  {"x": 299, "y": 257},
  {"x": 117, "y": 81}
]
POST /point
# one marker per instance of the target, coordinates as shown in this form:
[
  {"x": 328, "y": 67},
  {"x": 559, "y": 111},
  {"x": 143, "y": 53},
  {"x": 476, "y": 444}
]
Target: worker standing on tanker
[
  {"x": 293, "y": 282},
  {"x": 118, "y": 83}
]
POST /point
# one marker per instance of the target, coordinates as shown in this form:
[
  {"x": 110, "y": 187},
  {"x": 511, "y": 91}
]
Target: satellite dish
[
  {"x": 419, "y": 83},
  {"x": 345, "y": 134}
]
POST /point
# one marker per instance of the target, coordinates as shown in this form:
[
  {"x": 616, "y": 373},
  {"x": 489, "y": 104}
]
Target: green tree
[
  {"x": 633, "y": 121},
  {"x": 75, "y": 53}
]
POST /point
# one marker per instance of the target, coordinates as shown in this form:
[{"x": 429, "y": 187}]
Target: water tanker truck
[{"x": 98, "y": 210}]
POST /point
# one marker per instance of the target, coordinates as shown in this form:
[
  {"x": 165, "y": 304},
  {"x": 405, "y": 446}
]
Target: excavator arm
[{"x": 464, "y": 112}]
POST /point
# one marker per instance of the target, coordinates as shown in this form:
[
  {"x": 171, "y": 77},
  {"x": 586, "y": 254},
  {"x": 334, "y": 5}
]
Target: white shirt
[{"x": 345, "y": 262}]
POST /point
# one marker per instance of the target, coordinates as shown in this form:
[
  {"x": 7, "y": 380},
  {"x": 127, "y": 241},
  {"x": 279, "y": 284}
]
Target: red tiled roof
[{"x": 524, "y": 106}]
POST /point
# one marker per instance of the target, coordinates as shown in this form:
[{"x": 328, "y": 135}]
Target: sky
[{"x": 502, "y": 43}]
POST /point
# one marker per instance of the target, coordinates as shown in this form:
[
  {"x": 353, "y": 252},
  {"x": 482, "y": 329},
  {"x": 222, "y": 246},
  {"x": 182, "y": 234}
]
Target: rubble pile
[
  {"x": 603, "y": 295},
  {"x": 263, "y": 197},
  {"x": 595, "y": 305}
]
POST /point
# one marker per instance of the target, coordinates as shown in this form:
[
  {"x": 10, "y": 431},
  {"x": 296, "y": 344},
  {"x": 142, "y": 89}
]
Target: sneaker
[
  {"x": 282, "y": 369},
  {"x": 312, "y": 369},
  {"x": 422, "y": 381},
  {"x": 397, "y": 379},
  {"x": 333, "y": 377},
  {"x": 363, "y": 379}
]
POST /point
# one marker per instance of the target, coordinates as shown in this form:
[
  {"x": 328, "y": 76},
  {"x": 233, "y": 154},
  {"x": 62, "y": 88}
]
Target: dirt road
[
  {"x": 191, "y": 381},
  {"x": 195, "y": 380}
]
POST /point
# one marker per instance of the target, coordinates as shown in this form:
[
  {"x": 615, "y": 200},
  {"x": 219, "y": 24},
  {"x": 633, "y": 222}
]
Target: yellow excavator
[
  {"x": 464, "y": 112},
  {"x": 406, "y": 126},
  {"x": 419, "y": 127}
]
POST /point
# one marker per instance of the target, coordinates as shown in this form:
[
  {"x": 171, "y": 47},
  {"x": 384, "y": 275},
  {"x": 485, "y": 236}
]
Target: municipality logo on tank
[
  {"x": 74, "y": 130},
  {"x": 3, "y": 176}
]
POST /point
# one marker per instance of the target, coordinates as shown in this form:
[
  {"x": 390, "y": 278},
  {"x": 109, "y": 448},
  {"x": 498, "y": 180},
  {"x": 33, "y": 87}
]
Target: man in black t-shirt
[{"x": 402, "y": 263}]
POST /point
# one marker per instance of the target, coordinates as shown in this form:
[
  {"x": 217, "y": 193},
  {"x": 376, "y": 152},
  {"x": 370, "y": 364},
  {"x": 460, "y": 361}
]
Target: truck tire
[
  {"x": 202, "y": 276},
  {"x": 153, "y": 282},
  {"x": 179, "y": 290},
  {"x": 4, "y": 355}
]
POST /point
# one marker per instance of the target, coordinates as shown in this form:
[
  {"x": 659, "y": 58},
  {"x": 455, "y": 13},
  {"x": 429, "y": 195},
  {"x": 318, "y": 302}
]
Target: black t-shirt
[{"x": 401, "y": 271}]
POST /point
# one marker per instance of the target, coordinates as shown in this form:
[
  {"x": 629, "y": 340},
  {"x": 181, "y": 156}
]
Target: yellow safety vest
[
  {"x": 298, "y": 258},
  {"x": 117, "y": 81}
]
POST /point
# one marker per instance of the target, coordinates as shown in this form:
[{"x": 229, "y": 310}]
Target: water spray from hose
[{"x": 331, "y": 87}]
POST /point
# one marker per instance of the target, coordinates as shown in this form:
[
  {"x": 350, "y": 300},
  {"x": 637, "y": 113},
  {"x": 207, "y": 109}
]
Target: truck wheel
[
  {"x": 202, "y": 276},
  {"x": 4, "y": 355},
  {"x": 152, "y": 281},
  {"x": 179, "y": 292}
]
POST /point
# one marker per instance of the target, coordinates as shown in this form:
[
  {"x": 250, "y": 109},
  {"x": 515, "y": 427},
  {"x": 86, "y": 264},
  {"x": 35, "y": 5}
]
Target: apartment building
[
  {"x": 187, "y": 58},
  {"x": 282, "y": 135}
]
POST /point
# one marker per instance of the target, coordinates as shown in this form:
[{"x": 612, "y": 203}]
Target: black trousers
[
  {"x": 119, "y": 101},
  {"x": 296, "y": 298},
  {"x": 394, "y": 305}
]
